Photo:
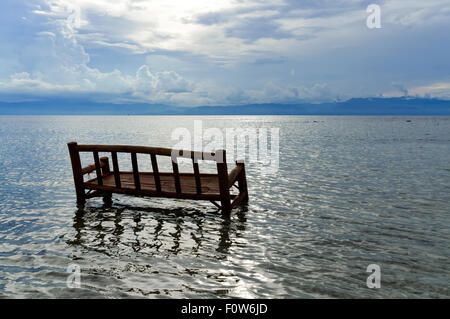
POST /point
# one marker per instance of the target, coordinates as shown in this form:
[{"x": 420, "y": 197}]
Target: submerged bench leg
[
  {"x": 242, "y": 182},
  {"x": 226, "y": 206},
  {"x": 81, "y": 199},
  {"x": 107, "y": 198},
  {"x": 222, "y": 173},
  {"x": 77, "y": 174}
]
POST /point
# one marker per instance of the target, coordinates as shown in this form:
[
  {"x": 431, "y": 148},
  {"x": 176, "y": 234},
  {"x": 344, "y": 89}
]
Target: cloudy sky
[{"x": 222, "y": 52}]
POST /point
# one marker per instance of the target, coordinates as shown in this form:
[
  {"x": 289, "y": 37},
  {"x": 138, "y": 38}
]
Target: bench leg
[
  {"x": 107, "y": 198},
  {"x": 226, "y": 206},
  {"x": 81, "y": 197},
  {"x": 242, "y": 182},
  {"x": 77, "y": 173},
  {"x": 224, "y": 189}
]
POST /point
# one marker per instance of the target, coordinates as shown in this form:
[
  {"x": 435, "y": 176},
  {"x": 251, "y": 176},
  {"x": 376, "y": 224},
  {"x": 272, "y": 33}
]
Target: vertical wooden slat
[
  {"x": 77, "y": 174},
  {"x": 134, "y": 163},
  {"x": 116, "y": 169},
  {"x": 222, "y": 172},
  {"x": 104, "y": 161},
  {"x": 156, "y": 172},
  {"x": 98, "y": 169},
  {"x": 176, "y": 175},
  {"x": 198, "y": 184},
  {"x": 105, "y": 165}
]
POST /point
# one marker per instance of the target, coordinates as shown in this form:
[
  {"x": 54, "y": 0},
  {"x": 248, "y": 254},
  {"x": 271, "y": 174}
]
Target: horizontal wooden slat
[
  {"x": 146, "y": 150},
  {"x": 170, "y": 174},
  {"x": 90, "y": 169},
  {"x": 153, "y": 193},
  {"x": 147, "y": 179}
]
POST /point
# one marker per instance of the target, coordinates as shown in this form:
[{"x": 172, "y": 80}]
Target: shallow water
[{"x": 350, "y": 191}]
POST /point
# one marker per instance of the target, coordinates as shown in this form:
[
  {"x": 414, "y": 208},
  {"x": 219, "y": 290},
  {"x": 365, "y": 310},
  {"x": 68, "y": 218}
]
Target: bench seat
[{"x": 209, "y": 182}]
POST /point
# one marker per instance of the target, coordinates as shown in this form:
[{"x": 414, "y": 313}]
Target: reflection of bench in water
[
  {"x": 195, "y": 186},
  {"x": 103, "y": 228}
]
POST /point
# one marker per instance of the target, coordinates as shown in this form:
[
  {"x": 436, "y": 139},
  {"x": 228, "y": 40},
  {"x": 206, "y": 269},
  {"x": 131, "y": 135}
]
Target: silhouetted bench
[{"x": 194, "y": 186}]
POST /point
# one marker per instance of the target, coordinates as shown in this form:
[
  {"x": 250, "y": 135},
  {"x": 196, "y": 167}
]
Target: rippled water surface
[{"x": 350, "y": 191}]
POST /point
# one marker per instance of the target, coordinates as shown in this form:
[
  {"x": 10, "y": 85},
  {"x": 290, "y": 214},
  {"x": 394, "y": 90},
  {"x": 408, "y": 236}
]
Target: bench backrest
[{"x": 102, "y": 167}]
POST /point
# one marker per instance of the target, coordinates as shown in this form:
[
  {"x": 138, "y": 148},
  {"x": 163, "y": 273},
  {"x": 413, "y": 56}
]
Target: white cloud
[
  {"x": 64, "y": 68},
  {"x": 440, "y": 90},
  {"x": 435, "y": 90},
  {"x": 416, "y": 12},
  {"x": 148, "y": 85},
  {"x": 228, "y": 35},
  {"x": 173, "y": 25},
  {"x": 319, "y": 92}
]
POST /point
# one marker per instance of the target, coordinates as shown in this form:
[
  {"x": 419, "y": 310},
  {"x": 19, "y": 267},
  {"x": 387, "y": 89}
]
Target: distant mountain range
[{"x": 357, "y": 106}]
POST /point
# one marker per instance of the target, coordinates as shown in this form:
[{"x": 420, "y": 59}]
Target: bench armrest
[{"x": 234, "y": 174}]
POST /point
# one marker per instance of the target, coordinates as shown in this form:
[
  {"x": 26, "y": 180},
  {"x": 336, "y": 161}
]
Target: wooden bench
[{"x": 194, "y": 186}]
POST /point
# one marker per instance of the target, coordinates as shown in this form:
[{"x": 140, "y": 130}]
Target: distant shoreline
[{"x": 403, "y": 106}]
